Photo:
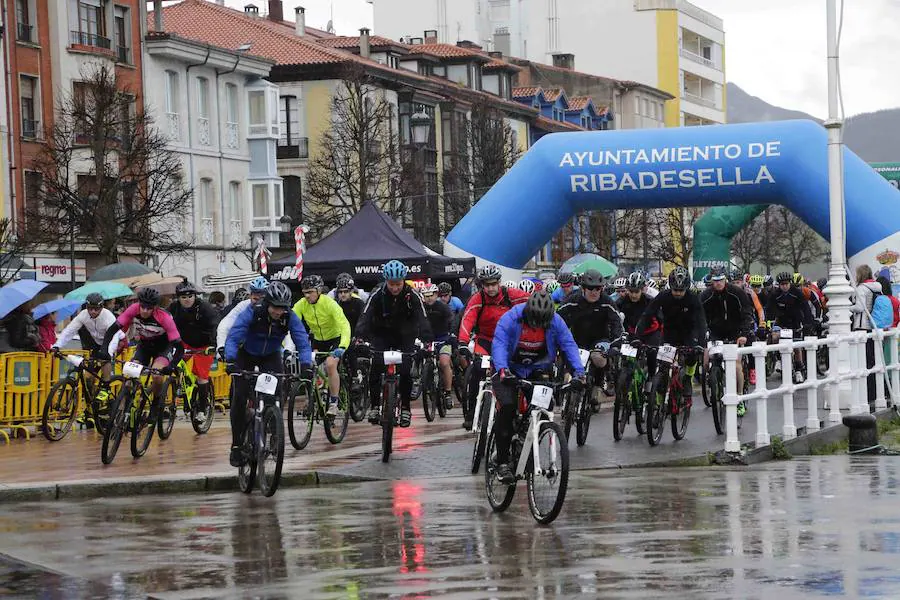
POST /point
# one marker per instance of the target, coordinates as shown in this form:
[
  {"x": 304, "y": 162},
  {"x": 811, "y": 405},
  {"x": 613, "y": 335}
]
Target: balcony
[
  {"x": 30, "y": 128},
  {"x": 173, "y": 128},
  {"x": 203, "y": 131},
  {"x": 123, "y": 55},
  {"x": 692, "y": 56},
  {"x": 23, "y": 33},
  {"x": 699, "y": 100},
  {"x": 237, "y": 233},
  {"x": 208, "y": 234},
  {"x": 293, "y": 148},
  {"x": 92, "y": 40},
  {"x": 232, "y": 140}
]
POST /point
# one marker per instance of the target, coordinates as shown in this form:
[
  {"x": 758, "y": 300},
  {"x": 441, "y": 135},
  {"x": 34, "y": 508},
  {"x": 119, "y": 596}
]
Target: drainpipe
[
  {"x": 221, "y": 154},
  {"x": 8, "y": 134},
  {"x": 190, "y": 137}
]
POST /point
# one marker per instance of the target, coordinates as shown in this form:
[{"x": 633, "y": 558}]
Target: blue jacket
[
  {"x": 456, "y": 305},
  {"x": 506, "y": 339},
  {"x": 259, "y": 335}
]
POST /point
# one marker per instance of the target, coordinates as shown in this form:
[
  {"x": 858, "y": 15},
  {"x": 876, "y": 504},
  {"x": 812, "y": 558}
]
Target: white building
[{"x": 667, "y": 44}]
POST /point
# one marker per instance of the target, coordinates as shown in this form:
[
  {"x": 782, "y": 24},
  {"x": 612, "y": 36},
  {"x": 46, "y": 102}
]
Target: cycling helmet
[
  {"x": 767, "y": 280},
  {"x": 651, "y": 283},
  {"x": 489, "y": 273},
  {"x": 344, "y": 282},
  {"x": 240, "y": 295},
  {"x": 747, "y": 278},
  {"x": 717, "y": 274},
  {"x": 445, "y": 288},
  {"x": 149, "y": 297},
  {"x": 278, "y": 294},
  {"x": 551, "y": 286},
  {"x": 185, "y": 287},
  {"x": 756, "y": 280},
  {"x": 620, "y": 283},
  {"x": 527, "y": 286},
  {"x": 821, "y": 283},
  {"x": 395, "y": 270},
  {"x": 679, "y": 279},
  {"x": 429, "y": 289},
  {"x": 510, "y": 284},
  {"x": 783, "y": 277},
  {"x": 565, "y": 278},
  {"x": 707, "y": 279},
  {"x": 94, "y": 300},
  {"x": 311, "y": 282},
  {"x": 735, "y": 275},
  {"x": 259, "y": 285},
  {"x": 593, "y": 278},
  {"x": 636, "y": 281},
  {"x": 539, "y": 310},
  {"x": 797, "y": 279}
]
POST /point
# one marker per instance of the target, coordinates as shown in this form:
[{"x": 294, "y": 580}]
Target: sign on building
[{"x": 58, "y": 270}]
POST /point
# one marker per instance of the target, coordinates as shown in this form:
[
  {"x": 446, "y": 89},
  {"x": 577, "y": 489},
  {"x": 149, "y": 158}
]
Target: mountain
[{"x": 875, "y": 137}]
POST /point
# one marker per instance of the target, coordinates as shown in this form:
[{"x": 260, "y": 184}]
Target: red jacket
[
  {"x": 895, "y": 303},
  {"x": 487, "y": 310},
  {"x": 47, "y": 329}
]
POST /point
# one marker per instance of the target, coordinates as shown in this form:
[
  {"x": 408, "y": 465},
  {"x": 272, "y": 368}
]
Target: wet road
[{"x": 807, "y": 528}]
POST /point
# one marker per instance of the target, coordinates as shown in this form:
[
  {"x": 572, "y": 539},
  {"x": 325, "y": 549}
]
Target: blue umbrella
[
  {"x": 62, "y": 307},
  {"x": 17, "y": 293},
  {"x": 107, "y": 289}
]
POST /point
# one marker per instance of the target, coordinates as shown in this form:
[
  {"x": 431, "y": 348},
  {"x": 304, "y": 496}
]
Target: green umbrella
[
  {"x": 580, "y": 263},
  {"x": 107, "y": 289}
]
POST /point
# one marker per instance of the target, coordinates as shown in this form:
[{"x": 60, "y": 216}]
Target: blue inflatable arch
[{"x": 753, "y": 163}]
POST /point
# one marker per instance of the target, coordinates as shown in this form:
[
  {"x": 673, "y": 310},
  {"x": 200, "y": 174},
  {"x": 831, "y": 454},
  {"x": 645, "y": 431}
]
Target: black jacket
[
  {"x": 197, "y": 324},
  {"x": 394, "y": 317},
  {"x": 729, "y": 313},
  {"x": 591, "y": 322},
  {"x": 353, "y": 309},
  {"x": 22, "y": 331},
  {"x": 440, "y": 318},
  {"x": 682, "y": 319},
  {"x": 788, "y": 309},
  {"x": 633, "y": 311}
]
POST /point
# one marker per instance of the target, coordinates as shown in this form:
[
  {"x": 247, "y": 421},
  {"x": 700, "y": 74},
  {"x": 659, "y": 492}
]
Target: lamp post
[{"x": 420, "y": 123}]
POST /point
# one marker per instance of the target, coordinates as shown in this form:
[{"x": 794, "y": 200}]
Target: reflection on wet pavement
[{"x": 807, "y": 528}]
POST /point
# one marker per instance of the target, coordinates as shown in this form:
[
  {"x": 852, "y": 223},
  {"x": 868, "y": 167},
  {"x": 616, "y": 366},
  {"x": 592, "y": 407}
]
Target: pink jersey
[{"x": 160, "y": 323}]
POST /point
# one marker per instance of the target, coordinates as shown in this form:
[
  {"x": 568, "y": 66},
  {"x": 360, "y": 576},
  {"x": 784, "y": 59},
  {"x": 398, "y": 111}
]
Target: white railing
[
  {"x": 699, "y": 100},
  {"x": 231, "y": 135},
  {"x": 685, "y": 53},
  {"x": 174, "y": 129},
  {"x": 237, "y": 233},
  {"x": 203, "y": 131},
  {"x": 208, "y": 231},
  {"x": 854, "y": 371}
]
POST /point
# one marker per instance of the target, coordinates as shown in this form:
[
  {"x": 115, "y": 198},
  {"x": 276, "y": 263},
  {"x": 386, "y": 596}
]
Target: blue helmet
[
  {"x": 260, "y": 284},
  {"x": 395, "y": 270}
]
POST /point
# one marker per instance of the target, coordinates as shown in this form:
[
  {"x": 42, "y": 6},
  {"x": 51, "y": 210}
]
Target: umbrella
[
  {"x": 17, "y": 293},
  {"x": 63, "y": 307},
  {"x": 107, "y": 289},
  {"x": 580, "y": 263},
  {"x": 120, "y": 271}
]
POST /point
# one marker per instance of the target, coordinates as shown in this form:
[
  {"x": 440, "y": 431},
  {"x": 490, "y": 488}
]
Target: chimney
[
  {"x": 251, "y": 10},
  {"x": 276, "y": 11},
  {"x": 158, "y": 16},
  {"x": 300, "y": 21},
  {"x": 468, "y": 44},
  {"x": 431, "y": 36},
  {"x": 364, "y": 48},
  {"x": 495, "y": 54},
  {"x": 220, "y": 2},
  {"x": 564, "y": 61}
]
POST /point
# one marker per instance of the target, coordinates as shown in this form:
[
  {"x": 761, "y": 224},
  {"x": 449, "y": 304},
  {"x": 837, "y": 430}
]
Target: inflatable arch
[{"x": 781, "y": 162}]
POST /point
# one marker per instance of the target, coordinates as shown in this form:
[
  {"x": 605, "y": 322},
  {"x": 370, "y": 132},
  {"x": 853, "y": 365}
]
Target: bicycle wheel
[
  {"x": 201, "y": 421},
  {"x": 656, "y": 414},
  {"x": 622, "y": 405},
  {"x": 336, "y": 425},
  {"x": 547, "y": 490},
  {"x": 429, "y": 391},
  {"x": 388, "y": 407},
  {"x": 438, "y": 384},
  {"x": 499, "y": 495},
  {"x": 568, "y": 413},
  {"x": 715, "y": 389},
  {"x": 247, "y": 472},
  {"x": 300, "y": 420},
  {"x": 271, "y": 453},
  {"x": 583, "y": 420},
  {"x": 60, "y": 409},
  {"x": 145, "y": 421},
  {"x": 708, "y": 399},
  {"x": 166, "y": 416},
  {"x": 638, "y": 400},
  {"x": 487, "y": 404},
  {"x": 357, "y": 396},
  {"x": 100, "y": 409},
  {"x": 681, "y": 415},
  {"x": 118, "y": 413}
]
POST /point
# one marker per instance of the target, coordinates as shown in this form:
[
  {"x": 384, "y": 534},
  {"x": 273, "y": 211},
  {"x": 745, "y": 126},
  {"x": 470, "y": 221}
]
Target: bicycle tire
[
  {"x": 64, "y": 390},
  {"x": 167, "y": 410},
  {"x": 300, "y": 429},
  {"x": 112, "y": 437},
  {"x": 583, "y": 422},
  {"x": 504, "y": 497},
  {"x": 715, "y": 388},
  {"x": 459, "y": 387},
  {"x": 547, "y": 429},
  {"x": 481, "y": 440},
  {"x": 358, "y": 401},
  {"x": 638, "y": 401},
  {"x": 428, "y": 391},
  {"x": 201, "y": 427},
  {"x": 273, "y": 443},
  {"x": 100, "y": 410},
  {"x": 336, "y": 426},
  {"x": 680, "y": 420},
  {"x": 145, "y": 422},
  {"x": 389, "y": 390},
  {"x": 656, "y": 414},
  {"x": 568, "y": 413},
  {"x": 704, "y": 383},
  {"x": 622, "y": 403},
  {"x": 439, "y": 396},
  {"x": 247, "y": 472}
]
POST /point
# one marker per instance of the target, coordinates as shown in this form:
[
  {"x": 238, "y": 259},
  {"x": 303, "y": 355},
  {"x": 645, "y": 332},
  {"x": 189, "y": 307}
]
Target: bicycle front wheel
[
  {"x": 389, "y": 404},
  {"x": 487, "y": 405},
  {"x": 118, "y": 413},
  {"x": 681, "y": 414},
  {"x": 300, "y": 416},
  {"x": 143, "y": 423},
  {"x": 568, "y": 413},
  {"x": 499, "y": 495},
  {"x": 583, "y": 417},
  {"x": 656, "y": 413},
  {"x": 429, "y": 391},
  {"x": 247, "y": 471},
  {"x": 271, "y": 453},
  {"x": 622, "y": 406},
  {"x": 547, "y": 490},
  {"x": 166, "y": 418},
  {"x": 100, "y": 409},
  {"x": 336, "y": 425},
  {"x": 201, "y": 420},
  {"x": 716, "y": 391},
  {"x": 60, "y": 409}
]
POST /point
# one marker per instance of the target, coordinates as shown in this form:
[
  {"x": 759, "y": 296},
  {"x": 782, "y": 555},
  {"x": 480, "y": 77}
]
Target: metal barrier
[
  {"x": 854, "y": 372},
  {"x": 24, "y": 382}
]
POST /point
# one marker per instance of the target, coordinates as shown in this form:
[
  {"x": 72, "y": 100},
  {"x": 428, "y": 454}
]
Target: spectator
[
  {"x": 866, "y": 291},
  {"x": 47, "y": 331},
  {"x": 22, "y": 330}
]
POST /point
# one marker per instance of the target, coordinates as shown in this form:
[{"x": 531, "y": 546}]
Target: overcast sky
[{"x": 775, "y": 49}]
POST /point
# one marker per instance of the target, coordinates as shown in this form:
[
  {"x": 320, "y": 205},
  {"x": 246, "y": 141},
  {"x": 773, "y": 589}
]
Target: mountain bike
[
  {"x": 666, "y": 397},
  {"x": 483, "y": 413},
  {"x": 390, "y": 398},
  {"x": 358, "y": 383},
  {"x": 302, "y": 421},
  {"x": 188, "y": 390},
  {"x": 61, "y": 406},
  {"x": 576, "y": 404},
  {"x": 263, "y": 440},
  {"x": 540, "y": 452},
  {"x": 631, "y": 389}
]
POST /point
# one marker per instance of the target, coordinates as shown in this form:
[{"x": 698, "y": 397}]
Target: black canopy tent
[{"x": 362, "y": 245}]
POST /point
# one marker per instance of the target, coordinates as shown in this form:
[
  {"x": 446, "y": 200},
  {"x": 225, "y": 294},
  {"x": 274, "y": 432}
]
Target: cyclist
[
  {"x": 445, "y": 293},
  {"x": 681, "y": 317},
  {"x": 257, "y": 293},
  {"x": 341, "y": 283},
  {"x": 353, "y": 307},
  {"x": 729, "y": 318},
  {"x": 479, "y": 320},
  {"x": 527, "y": 340},
  {"x": 787, "y": 307},
  {"x": 196, "y": 322},
  {"x": 329, "y": 331},
  {"x": 239, "y": 296},
  {"x": 527, "y": 286},
  {"x": 566, "y": 282},
  {"x": 440, "y": 318},
  {"x": 392, "y": 319},
  {"x": 652, "y": 289},
  {"x": 255, "y": 341},
  {"x": 632, "y": 306},
  {"x": 620, "y": 288},
  {"x": 159, "y": 342}
]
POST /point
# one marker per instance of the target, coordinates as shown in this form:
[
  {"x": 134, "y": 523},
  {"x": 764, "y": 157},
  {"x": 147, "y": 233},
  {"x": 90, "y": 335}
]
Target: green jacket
[{"x": 325, "y": 319}]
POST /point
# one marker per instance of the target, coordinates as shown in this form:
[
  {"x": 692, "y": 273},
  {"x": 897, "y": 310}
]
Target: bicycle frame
[
  {"x": 536, "y": 416},
  {"x": 483, "y": 387}
]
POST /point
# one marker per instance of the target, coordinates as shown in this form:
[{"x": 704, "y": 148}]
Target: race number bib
[
  {"x": 786, "y": 334},
  {"x": 585, "y": 356},
  {"x": 542, "y": 396},
  {"x": 74, "y": 359},
  {"x": 132, "y": 370},
  {"x": 629, "y": 350},
  {"x": 266, "y": 384},
  {"x": 485, "y": 361},
  {"x": 715, "y": 348},
  {"x": 666, "y": 354},
  {"x": 392, "y": 357}
]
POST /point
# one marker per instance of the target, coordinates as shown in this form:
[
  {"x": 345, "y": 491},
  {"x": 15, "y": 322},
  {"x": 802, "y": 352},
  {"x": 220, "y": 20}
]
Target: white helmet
[
  {"x": 651, "y": 283},
  {"x": 620, "y": 283},
  {"x": 429, "y": 289},
  {"x": 527, "y": 286},
  {"x": 510, "y": 284}
]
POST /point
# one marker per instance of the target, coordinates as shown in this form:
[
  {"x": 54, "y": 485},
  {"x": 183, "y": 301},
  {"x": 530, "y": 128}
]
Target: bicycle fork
[{"x": 532, "y": 441}]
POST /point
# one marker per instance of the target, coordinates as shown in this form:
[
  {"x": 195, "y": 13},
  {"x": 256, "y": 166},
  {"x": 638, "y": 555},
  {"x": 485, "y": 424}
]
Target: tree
[
  {"x": 797, "y": 243},
  {"x": 748, "y": 246},
  {"x": 13, "y": 249},
  {"x": 671, "y": 236},
  {"x": 108, "y": 175}
]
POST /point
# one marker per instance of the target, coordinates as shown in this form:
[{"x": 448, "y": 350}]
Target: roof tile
[
  {"x": 551, "y": 94},
  {"x": 525, "y": 92},
  {"x": 345, "y": 42},
  {"x": 579, "y": 102}
]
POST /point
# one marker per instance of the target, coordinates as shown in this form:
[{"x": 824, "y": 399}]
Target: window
[
  {"x": 289, "y": 141},
  {"x": 33, "y": 184},
  {"x": 231, "y": 102},
  {"x": 91, "y": 24},
  {"x": 257, "y": 106},
  {"x": 203, "y": 97},
  {"x": 171, "y": 92},
  {"x": 127, "y": 121},
  {"x": 637, "y": 105},
  {"x": 120, "y": 31},
  {"x": 234, "y": 201},
  {"x": 28, "y": 93},
  {"x": 209, "y": 213},
  {"x": 24, "y": 26},
  {"x": 261, "y": 205}
]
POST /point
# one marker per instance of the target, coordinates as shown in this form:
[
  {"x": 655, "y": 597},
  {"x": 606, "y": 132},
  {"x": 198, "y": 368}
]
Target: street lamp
[{"x": 420, "y": 123}]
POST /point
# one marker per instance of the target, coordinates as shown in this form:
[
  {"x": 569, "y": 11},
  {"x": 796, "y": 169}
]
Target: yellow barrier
[
  {"x": 221, "y": 384},
  {"x": 24, "y": 382}
]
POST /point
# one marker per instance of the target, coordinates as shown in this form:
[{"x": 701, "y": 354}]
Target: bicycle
[
  {"x": 576, "y": 406},
  {"x": 532, "y": 427},
  {"x": 187, "y": 389},
  {"x": 666, "y": 398},
  {"x": 390, "y": 399},
  {"x": 358, "y": 384},
  {"x": 483, "y": 413},
  {"x": 630, "y": 389},
  {"x": 431, "y": 383},
  {"x": 264, "y": 434},
  {"x": 302, "y": 421},
  {"x": 61, "y": 406}
]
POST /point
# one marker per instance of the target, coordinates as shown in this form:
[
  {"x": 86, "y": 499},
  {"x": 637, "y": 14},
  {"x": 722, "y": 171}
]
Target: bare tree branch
[
  {"x": 672, "y": 233},
  {"x": 798, "y": 243},
  {"x": 13, "y": 248}
]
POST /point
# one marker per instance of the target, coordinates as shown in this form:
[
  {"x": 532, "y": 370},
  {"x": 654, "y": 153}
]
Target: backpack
[{"x": 505, "y": 300}]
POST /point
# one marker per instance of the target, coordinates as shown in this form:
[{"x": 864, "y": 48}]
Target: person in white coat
[{"x": 90, "y": 326}]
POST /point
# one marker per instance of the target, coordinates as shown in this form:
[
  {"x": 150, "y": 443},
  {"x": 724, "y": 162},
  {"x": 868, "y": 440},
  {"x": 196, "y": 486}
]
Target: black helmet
[
  {"x": 240, "y": 295},
  {"x": 821, "y": 283},
  {"x": 185, "y": 287},
  {"x": 565, "y": 278},
  {"x": 278, "y": 294},
  {"x": 311, "y": 282},
  {"x": 591, "y": 278},
  {"x": 489, "y": 273},
  {"x": 342, "y": 277},
  {"x": 344, "y": 282},
  {"x": 679, "y": 279},
  {"x": 717, "y": 274},
  {"x": 539, "y": 310},
  {"x": 768, "y": 280},
  {"x": 783, "y": 277},
  {"x": 94, "y": 299},
  {"x": 445, "y": 288},
  {"x": 636, "y": 281},
  {"x": 148, "y": 297}
]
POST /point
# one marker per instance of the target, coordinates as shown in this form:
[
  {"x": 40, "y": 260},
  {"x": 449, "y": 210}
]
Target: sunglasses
[{"x": 591, "y": 288}]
